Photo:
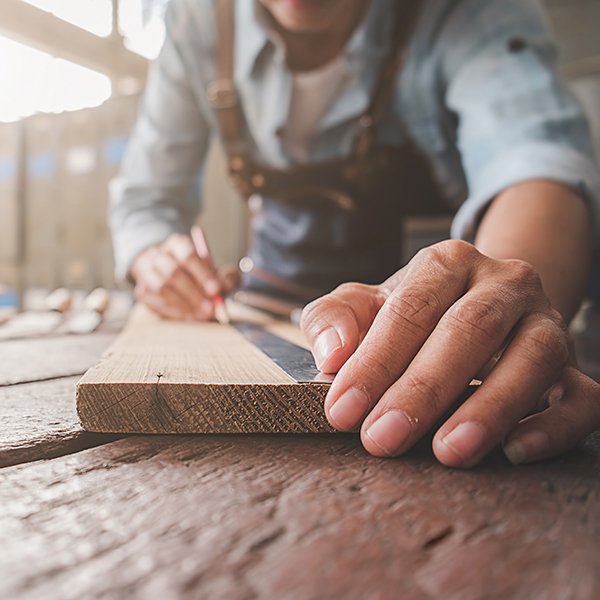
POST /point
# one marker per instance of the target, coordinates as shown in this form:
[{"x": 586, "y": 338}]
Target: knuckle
[
  {"x": 175, "y": 272},
  {"x": 176, "y": 238},
  {"x": 380, "y": 366},
  {"x": 429, "y": 392},
  {"x": 548, "y": 346},
  {"x": 485, "y": 316},
  {"x": 349, "y": 287},
  {"x": 449, "y": 252},
  {"x": 188, "y": 259},
  {"x": 522, "y": 274},
  {"x": 311, "y": 311},
  {"x": 161, "y": 286},
  {"x": 419, "y": 311},
  {"x": 340, "y": 302},
  {"x": 559, "y": 322}
]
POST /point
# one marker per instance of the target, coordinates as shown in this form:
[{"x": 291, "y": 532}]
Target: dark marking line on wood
[
  {"x": 436, "y": 540},
  {"x": 266, "y": 542}
]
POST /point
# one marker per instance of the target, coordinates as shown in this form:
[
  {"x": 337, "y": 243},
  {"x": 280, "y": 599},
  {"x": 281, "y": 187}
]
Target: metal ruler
[{"x": 297, "y": 362}]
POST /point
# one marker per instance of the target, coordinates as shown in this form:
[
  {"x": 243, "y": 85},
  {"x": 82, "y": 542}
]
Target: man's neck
[{"x": 309, "y": 51}]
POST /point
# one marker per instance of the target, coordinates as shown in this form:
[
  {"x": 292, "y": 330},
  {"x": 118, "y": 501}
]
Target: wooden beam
[
  {"x": 165, "y": 376},
  {"x": 39, "y": 29}
]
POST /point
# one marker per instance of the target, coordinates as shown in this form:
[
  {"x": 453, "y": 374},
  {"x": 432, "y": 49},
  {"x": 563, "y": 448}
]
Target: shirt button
[
  {"x": 236, "y": 163},
  {"x": 258, "y": 180},
  {"x": 517, "y": 45}
]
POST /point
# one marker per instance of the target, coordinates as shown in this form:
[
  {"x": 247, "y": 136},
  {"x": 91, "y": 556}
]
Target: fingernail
[
  {"x": 526, "y": 447},
  {"x": 349, "y": 409},
  {"x": 465, "y": 439},
  {"x": 390, "y": 432},
  {"x": 325, "y": 345}
]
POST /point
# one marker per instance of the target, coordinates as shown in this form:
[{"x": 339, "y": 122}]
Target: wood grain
[
  {"x": 23, "y": 361},
  {"x": 297, "y": 517},
  {"x": 164, "y": 376},
  {"x": 39, "y": 421}
]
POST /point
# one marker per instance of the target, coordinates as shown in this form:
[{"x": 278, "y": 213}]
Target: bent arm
[
  {"x": 151, "y": 199},
  {"x": 547, "y": 225}
]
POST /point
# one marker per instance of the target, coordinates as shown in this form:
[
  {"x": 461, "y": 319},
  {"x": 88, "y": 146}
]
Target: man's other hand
[
  {"x": 176, "y": 283},
  {"x": 405, "y": 351}
]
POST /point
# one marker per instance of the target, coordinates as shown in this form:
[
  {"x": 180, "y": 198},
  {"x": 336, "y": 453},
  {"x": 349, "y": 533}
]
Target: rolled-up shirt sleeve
[
  {"x": 150, "y": 199},
  {"x": 517, "y": 121}
]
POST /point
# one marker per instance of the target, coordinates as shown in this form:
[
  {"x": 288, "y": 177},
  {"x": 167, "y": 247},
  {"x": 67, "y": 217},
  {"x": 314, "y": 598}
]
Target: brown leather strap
[
  {"x": 404, "y": 22},
  {"x": 224, "y": 98},
  {"x": 221, "y": 93}
]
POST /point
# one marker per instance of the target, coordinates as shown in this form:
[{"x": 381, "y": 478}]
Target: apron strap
[
  {"x": 224, "y": 99},
  {"x": 405, "y": 18},
  {"x": 223, "y": 95}
]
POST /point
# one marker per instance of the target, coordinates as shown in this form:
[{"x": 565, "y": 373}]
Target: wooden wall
[{"x": 68, "y": 162}]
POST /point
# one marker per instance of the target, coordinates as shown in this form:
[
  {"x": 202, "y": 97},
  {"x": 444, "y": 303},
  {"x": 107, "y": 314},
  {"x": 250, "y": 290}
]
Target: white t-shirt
[{"x": 312, "y": 94}]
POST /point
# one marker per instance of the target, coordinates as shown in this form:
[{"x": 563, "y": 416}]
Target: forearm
[{"x": 547, "y": 225}]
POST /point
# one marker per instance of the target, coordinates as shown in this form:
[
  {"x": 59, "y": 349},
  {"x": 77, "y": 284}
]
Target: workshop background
[{"x": 70, "y": 82}]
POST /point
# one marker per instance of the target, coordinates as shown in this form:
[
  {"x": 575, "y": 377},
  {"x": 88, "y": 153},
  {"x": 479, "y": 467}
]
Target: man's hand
[
  {"x": 407, "y": 349},
  {"x": 176, "y": 283}
]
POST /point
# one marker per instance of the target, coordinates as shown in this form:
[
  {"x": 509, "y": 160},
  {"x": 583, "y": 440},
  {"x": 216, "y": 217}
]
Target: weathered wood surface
[
  {"x": 23, "y": 361},
  {"x": 164, "y": 376},
  {"x": 39, "y": 421},
  {"x": 242, "y": 517}
]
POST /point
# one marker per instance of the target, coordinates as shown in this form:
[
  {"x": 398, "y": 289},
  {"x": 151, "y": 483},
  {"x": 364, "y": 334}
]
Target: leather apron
[{"x": 334, "y": 221}]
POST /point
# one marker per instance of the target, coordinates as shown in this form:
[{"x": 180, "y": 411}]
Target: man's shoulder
[{"x": 489, "y": 13}]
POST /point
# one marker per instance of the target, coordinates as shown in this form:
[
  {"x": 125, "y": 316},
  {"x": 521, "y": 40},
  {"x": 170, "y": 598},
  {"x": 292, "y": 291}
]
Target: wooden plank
[
  {"x": 25, "y": 361},
  {"x": 39, "y": 421},
  {"x": 269, "y": 516},
  {"x": 164, "y": 376}
]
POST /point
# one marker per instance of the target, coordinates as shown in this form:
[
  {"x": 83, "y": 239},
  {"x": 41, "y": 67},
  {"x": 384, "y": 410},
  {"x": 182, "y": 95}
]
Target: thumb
[{"x": 335, "y": 324}]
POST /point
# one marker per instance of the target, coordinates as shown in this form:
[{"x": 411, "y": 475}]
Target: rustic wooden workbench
[{"x": 271, "y": 516}]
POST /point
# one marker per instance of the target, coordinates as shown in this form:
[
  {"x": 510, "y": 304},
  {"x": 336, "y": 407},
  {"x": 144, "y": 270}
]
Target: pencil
[{"x": 203, "y": 251}]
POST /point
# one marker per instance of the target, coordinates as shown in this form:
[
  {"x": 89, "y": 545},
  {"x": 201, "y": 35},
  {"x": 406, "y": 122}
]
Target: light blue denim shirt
[{"x": 487, "y": 112}]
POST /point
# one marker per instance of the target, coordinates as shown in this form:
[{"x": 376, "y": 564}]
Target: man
[{"x": 311, "y": 92}]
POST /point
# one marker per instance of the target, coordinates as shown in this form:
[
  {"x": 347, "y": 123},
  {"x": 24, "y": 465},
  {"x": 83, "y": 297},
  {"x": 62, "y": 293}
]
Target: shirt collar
[
  {"x": 251, "y": 39},
  {"x": 367, "y": 44},
  {"x": 366, "y": 48}
]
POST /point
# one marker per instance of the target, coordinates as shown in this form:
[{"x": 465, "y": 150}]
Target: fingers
[
  {"x": 532, "y": 363},
  {"x": 175, "y": 282},
  {"x": 573, "y": 414},
  {"x": 453, "y": 312},
  {"x": 334, "y": 324},
  {"x": 167, "y": 305},
  {"x": 405, "y": 321},
  {"x": 161, "y": 287},
  {"x": 182, "y": 250},
  {"x": 440, "y": 373}
]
